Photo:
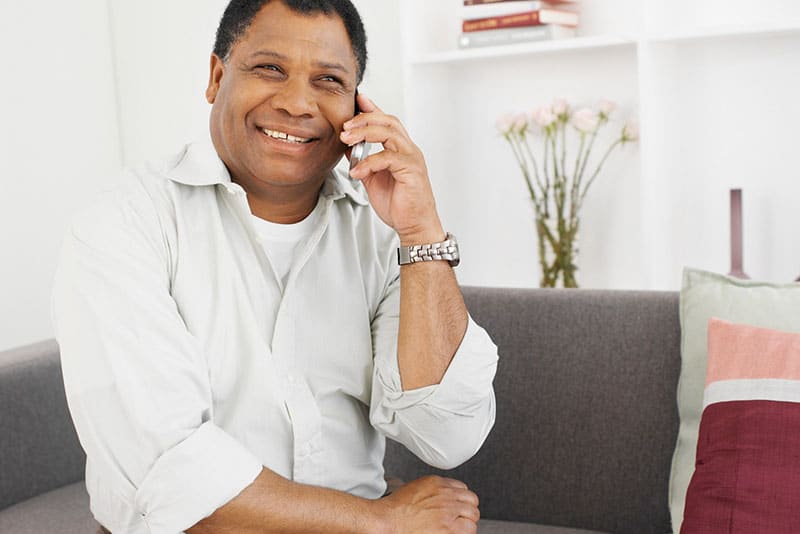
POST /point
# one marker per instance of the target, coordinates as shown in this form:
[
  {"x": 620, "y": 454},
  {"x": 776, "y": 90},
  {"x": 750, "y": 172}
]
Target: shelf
[
  {"x": 600, "y": 42},
  {"x": 725, "y": 32},
  {"x": 522, "y": 49}
]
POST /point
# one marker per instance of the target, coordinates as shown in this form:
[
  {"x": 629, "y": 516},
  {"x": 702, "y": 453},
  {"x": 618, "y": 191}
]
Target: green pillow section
[{"x": 705, "y": 295}]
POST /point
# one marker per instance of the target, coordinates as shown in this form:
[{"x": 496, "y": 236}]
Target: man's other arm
[{"x": 274, "y": 504}]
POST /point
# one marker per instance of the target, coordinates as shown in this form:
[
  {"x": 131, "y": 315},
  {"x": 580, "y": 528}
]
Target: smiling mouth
[{"x": 287, "y": 138}]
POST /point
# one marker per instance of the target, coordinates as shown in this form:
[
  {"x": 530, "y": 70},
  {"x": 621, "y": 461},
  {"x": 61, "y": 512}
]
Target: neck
[{"x": 280, "y": 206}]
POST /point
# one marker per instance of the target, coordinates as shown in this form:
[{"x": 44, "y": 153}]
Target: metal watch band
[{"x": 446, "y": 250}]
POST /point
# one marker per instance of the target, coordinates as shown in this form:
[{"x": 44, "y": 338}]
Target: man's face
[{"x": 280, "y": 100}]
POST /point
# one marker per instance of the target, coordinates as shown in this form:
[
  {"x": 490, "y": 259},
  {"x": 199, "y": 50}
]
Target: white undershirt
[{"x": 281, "y": 242}]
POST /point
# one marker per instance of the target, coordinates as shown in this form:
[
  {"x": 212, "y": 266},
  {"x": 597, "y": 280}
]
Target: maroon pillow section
[{"x": 747, "y": 473}]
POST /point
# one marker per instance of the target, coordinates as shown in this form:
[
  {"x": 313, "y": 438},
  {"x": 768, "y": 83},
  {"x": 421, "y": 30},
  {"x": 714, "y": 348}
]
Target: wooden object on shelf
[{"x": 737, "y": 260}]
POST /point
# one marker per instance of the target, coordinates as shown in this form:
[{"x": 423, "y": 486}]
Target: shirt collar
[{"x": 199, "y": 165}]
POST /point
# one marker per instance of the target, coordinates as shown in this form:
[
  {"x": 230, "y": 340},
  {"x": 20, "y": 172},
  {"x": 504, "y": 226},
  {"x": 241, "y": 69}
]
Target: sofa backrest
[
  {"x": 586, "y": 411},
  {"x": 39, "y": 450}
]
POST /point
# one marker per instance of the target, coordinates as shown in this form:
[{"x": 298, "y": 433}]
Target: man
[{"x": 237, "y": 336}]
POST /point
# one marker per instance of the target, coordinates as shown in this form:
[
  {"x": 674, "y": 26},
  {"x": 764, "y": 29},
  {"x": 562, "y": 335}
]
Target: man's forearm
[
  {"x": 433, "y": 320},
  {"x": 274, "y": 504}
]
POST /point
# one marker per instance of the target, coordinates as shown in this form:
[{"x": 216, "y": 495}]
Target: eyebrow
[{"x": 320, "y": 64}]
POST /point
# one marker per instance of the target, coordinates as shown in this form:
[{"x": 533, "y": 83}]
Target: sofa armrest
[{"x": 39, "y": 450}]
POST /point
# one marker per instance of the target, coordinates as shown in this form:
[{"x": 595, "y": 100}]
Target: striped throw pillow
[{"x": 747, "y": 469}]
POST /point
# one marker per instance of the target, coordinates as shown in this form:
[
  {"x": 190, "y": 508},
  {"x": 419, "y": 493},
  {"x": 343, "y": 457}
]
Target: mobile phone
[{"x": 360, "y": 150}]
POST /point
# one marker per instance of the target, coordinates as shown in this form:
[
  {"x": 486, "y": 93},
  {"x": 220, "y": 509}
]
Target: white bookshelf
[
  {"x": 714, "y": 86},
  {"x": 523, "y": 49},
  {"x": 735, "y": 31}
]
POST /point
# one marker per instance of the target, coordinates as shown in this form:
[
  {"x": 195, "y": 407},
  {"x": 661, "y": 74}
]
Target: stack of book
[{"x": 499, "y": 22}]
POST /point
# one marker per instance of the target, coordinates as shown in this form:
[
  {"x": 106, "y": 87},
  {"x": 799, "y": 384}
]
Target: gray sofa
[{"x": 586, "y": 420}]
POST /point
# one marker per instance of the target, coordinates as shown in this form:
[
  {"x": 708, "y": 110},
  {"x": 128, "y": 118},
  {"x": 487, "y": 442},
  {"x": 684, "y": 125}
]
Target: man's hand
[
  {"x": 396, "y": 179},
  {"x": 432, "y": 504}
]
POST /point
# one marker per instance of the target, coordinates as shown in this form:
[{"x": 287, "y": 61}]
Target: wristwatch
[{"x": 446, "y": 250}]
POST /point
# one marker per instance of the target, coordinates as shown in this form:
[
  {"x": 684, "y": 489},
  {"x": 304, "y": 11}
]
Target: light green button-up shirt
[{"x": 188, "y": 366}]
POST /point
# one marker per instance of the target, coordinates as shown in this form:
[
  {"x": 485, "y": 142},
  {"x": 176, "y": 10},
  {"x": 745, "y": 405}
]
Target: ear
[{"x": 217, "y": 70}]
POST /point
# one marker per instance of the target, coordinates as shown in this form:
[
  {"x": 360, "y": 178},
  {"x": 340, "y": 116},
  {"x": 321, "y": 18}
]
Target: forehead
[{"x": 278, "y": 28}]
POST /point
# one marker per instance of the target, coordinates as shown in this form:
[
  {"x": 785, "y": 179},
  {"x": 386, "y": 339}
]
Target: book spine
[
  {"x": 503, "y": 37},
  {"x": 530, "y": 18},
  {"x": 498, "y": 9}
]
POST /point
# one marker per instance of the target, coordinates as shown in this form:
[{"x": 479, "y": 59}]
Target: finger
[
  {"x": 453, "y": 483},
  {"x": 373, "y": 119},
  {"x": 366, "y": 104},
  {"x": 465, "y": 526},
  {"x": 388, "y": 136},
  {"x": 468, "y": 497},
  {"x": 399, "y": 165},
  {"x": 469, "y": 512},
  {"x": 365, "y": 120},
  {"x": 461, "y": 496}
]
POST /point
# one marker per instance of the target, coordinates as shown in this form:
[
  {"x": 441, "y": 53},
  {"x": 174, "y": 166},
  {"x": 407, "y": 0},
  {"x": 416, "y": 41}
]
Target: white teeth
[{"x": 284, "y": 136}]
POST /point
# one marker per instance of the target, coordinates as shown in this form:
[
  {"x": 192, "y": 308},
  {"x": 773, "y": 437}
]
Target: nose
[{"x": 295, "y": 98}]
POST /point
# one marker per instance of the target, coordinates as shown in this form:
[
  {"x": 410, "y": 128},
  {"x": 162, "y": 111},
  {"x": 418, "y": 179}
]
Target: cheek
[{"x": 339, "y": 113}]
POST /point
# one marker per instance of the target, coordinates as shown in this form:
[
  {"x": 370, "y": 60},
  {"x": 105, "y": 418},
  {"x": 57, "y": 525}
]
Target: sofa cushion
[
  {"x": 747, "y": 474},
  {"x": 64, "y": 510},
  {"x": 508, "y": 527},
  {"x": 706, "y": 295},
  {"x": 40, "y": 450}
]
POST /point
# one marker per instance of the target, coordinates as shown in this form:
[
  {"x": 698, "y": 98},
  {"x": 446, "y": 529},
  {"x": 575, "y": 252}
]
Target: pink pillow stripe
[{"x": 747, "y": 352}]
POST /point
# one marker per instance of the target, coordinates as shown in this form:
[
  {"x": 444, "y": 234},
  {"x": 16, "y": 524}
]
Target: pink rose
[
  {"x": 630, "y": 132},
  {"x": 585, "y": 120},
  {"x": 560, "y": 106},
  {"x": 504, "y": 123},
  {"x": 520, "y": 122},
  {"x": 606, "y": 108},
  {"x": 543, "y": 116}
]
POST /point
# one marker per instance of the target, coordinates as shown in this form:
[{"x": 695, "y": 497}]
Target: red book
[{"x": 528, "y": 18}]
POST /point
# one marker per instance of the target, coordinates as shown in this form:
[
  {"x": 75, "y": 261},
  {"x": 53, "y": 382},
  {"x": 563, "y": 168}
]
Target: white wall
[
  {"x": 162, "y": 52},
  {"x": 58, "y": 143}
]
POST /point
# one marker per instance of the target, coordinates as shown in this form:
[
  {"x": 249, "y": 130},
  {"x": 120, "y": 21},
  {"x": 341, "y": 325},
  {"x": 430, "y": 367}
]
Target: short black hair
[{"x": 239, "y": 15}]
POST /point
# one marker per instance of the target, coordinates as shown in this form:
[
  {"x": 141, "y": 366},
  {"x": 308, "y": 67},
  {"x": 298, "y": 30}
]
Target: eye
[
  {"x": 269, "y": 70},
  {"x": 330, "y": 82}
]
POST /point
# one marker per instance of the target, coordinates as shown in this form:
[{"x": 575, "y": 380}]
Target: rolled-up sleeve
[
  {"x": 136, "y": 380},
  {"x": 444, "y": 424}
]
